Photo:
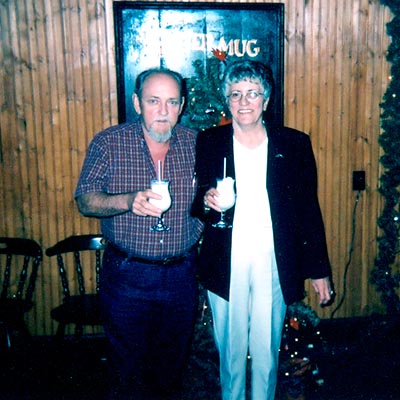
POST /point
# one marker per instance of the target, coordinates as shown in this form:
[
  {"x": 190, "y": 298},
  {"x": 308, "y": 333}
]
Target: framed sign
[{"x": 198, "y": 40}]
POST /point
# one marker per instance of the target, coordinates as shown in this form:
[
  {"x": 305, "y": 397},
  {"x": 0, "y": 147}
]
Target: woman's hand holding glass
[{"x": 221, "y": 199}]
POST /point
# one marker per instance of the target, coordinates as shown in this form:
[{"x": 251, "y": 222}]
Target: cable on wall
[{"x": 351, "y": 248}]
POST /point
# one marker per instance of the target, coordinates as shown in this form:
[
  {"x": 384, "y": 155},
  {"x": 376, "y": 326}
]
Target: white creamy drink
[
  {"x": 226, "y": 198},
  {"x": 161, "y": 187}
]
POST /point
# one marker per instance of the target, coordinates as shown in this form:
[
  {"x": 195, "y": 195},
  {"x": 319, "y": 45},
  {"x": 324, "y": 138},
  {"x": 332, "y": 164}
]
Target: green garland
[{"x": 388, "y": 244}]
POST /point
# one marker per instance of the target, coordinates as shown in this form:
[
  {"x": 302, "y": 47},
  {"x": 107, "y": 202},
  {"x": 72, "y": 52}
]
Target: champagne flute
[
  {"x": 161, "y": 186},
  {"x": 225, "y": 200}
]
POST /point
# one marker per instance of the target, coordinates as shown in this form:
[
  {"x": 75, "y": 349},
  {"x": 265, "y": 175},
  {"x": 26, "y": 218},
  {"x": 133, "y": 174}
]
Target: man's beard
[{"x": 160, "y": 137}]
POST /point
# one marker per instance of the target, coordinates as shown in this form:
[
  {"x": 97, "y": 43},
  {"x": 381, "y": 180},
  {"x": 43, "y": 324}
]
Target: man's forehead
[{"x": 158, "y": 77}]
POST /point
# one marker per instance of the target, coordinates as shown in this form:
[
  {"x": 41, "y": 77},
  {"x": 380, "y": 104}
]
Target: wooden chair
[
  {"x": 18, "y": 273},
  {"x": 78, "y": 307}
]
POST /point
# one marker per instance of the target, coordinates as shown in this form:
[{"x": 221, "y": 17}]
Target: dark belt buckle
[
  {"x": 175, "y": 260},
  {"x": 171, "y": 260},
  {"x": 166, "y": 261}
]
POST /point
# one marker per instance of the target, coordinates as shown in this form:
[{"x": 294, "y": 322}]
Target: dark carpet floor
[{"x": 358, "y": 359}]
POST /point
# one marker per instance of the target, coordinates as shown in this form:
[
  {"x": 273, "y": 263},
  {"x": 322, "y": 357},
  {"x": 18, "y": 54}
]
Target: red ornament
[
  {"x": 303, "y": 365},
  {"x": 224, "y": 120},
  {"x": 221, "y": 55},
  {"x": 294, "y": 323}
]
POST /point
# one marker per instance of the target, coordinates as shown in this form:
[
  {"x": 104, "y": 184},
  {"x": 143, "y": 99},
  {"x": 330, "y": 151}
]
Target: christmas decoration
[
  {"x": 382, "y": 276},
  {"x": 221, "y": 55},
  {"x": 206, "y": 105},
  {"x": 301, "y": 340}
]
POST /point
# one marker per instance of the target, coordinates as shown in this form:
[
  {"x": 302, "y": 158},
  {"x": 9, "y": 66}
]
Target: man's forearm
[{"x": 99, "y": 204}]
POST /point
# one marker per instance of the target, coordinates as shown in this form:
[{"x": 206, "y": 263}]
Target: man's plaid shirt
[{"x": 118, "y": 161}]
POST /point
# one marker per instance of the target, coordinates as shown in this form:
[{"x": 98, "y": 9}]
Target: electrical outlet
[{"x": 358, "y": 180}]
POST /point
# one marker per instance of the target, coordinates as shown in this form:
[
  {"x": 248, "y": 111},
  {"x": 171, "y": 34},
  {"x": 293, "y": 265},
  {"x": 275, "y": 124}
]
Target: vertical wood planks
[{"x": 58, "y": 88}]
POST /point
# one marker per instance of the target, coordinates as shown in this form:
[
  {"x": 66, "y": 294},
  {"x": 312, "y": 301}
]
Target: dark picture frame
[{"x": 197, "y": 40}]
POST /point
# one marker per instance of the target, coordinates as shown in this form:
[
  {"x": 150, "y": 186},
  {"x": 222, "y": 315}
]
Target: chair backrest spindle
[
  {"x": 22, "y": 277},
  {"x": 6, "y": 277},
  {"x": 63, "y": 276},
  {"x": 79, "y": 273},
  {"x": 98, "y": 266},
  {"x": 32, "y": 278}
]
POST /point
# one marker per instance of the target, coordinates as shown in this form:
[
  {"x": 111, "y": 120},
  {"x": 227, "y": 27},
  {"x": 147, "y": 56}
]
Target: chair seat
[
  {"x": 14, "y": 309},
  {"x": 78, "y": 309}
]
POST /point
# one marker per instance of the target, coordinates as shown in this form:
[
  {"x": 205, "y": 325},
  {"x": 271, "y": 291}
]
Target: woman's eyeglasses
[{"x": 251, "y": 95}]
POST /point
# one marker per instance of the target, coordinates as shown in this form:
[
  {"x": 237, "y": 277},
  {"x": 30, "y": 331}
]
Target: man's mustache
[{"x": 162, "y": 120}]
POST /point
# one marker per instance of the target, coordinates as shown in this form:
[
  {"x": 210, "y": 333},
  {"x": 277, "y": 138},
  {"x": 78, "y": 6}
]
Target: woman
[{"x": 255, "y": 269}]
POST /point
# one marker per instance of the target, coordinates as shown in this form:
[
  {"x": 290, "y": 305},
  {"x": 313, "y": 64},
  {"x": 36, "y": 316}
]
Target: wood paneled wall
[{"x": 58, "y": 88}]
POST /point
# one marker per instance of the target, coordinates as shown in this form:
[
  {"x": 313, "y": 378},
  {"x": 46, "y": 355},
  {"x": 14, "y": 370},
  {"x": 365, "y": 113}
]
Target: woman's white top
[{"x": 252, "y": 205}]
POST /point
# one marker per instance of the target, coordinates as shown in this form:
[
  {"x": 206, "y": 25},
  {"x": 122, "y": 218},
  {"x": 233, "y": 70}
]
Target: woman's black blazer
[{"x": 299, "y": 236}]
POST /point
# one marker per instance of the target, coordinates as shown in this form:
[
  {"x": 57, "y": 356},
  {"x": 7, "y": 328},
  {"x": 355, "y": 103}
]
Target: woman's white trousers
[{"x": 249, "y": 326}]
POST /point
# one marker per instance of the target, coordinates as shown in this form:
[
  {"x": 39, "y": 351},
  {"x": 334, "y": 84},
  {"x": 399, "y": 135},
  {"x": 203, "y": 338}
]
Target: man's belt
[{"x": 165, "y": 262}]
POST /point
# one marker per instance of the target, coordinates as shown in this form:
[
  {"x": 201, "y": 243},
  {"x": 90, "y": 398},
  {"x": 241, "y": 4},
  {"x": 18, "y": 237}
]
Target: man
[{"x": 148, "y": 289}]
